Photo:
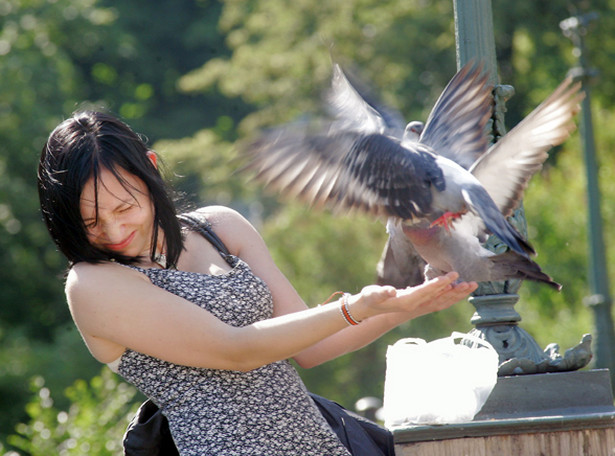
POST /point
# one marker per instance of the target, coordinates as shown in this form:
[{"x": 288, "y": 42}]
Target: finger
[
  {"x": 436, "y": 294},
  {"x": 435, "y": 285},
  {"x": 443, "y": 279},
  {"x": 432, "y": 289},
  {"x": 464, "y": 287},
  {"x": 442, "y": 298},
  {"x": 389, "y": 290},
  {"x": 380, "y": 292},
  {"x": 458, "y": 293}
]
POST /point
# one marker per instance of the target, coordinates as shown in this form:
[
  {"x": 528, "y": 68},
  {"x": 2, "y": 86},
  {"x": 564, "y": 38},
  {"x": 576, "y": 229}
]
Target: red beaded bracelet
[{"x": 346, "y": 311}]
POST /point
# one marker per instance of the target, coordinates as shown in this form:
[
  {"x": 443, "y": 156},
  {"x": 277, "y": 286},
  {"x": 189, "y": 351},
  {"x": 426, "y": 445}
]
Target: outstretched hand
[
  {"x": 431, "y": 296},
  {"x": 438, "y": 294}
]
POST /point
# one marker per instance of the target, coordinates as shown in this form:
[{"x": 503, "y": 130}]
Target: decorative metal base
[{"x": 496, "y": 321}]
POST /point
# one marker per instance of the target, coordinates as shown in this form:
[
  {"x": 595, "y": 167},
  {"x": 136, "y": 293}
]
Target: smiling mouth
[{"x": 122, "y": 244}]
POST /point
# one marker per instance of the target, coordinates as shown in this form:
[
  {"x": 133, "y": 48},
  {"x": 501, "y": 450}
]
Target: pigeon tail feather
[{"x": 520, "y": 267}]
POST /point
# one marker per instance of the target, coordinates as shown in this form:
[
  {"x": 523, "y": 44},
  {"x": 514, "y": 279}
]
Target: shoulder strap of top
[{"x": 203, "y": 227}]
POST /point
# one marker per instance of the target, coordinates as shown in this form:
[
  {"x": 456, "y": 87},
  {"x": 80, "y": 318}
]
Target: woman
[{"x": 218, "y": 369}]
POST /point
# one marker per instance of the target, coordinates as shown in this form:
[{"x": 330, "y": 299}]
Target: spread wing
[
  {"x": 355, "y": 108},
  {"x": 346, "y": 170},
  {"x": 455, "y": 127},
  {"x": 505, "y": 170}
]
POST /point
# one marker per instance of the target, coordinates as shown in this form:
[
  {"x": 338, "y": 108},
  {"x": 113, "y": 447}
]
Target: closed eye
[
  {"x": 127, "y": 206},
  {"x": 123, "y": 208},
  {"x": 90, "y": 223}
]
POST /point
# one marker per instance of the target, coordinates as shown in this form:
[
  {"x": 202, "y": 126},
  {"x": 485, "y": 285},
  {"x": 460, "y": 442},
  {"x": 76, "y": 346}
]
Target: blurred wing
[
  {"x": 400, "y": 264},
  {"x": 505, "y": 170},
  {"x": 456, "y": 125},
  {"x": 345, "y": 171},
  {"x": 355, "y": 108}
]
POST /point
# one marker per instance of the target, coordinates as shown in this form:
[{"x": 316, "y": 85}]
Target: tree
[{"x": 94, "y": 423}]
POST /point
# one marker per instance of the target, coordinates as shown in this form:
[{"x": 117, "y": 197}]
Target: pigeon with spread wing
[
  {"x": 504, "y": 171},
  {"x": 440, "y": 186}
]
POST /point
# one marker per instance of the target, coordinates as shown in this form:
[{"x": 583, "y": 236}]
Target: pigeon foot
[{"x": 446, "y": 220}]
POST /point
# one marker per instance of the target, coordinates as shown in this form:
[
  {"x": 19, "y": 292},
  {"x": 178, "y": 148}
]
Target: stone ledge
[
  {"x": 504, "y": 427},
  {"x": 531, "y": 403}
]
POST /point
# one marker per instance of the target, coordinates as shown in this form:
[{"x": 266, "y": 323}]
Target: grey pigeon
[
  {"x": 520, "y": 154},
  {"x": 424, "y": 181}
]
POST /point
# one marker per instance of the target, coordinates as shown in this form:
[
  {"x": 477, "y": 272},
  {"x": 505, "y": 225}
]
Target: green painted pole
[
  {"x": 474, "y": 34},
  {"x": 599, "y": 300},
  {"x": 495, "y": 318}
]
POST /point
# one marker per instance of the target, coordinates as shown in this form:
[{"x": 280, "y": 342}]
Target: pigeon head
[{"x": 413, "y": 131}]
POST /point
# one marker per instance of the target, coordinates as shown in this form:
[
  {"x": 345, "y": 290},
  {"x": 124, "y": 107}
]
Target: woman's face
[{"x": 125, "y": 214}]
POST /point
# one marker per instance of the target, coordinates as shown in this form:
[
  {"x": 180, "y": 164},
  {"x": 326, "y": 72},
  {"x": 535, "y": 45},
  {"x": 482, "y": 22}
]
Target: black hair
[{"x": 75, "y": 152}]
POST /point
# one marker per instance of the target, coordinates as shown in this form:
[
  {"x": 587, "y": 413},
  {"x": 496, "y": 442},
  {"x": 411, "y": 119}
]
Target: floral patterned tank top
[{"x": 263, "y": 412}]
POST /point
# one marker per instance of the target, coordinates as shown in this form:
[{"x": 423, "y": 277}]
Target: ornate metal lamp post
[{"x": 496, "y": 319}]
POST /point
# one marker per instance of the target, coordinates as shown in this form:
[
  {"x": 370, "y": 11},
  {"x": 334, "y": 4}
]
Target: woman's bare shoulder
[
  {"x": 232, "y": 227},
  {"x": 220, "y": 215},
  {"x": 84, "y": 277}
]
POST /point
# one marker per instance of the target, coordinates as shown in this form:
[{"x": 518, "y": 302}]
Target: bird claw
[{"x": 446, "y": 220}]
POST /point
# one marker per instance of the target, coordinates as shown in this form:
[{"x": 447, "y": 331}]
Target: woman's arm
[
  {"x": 355, "y": 337},
  {"x": 120, "y": 306},
  {"x": 244, "y": 241}
]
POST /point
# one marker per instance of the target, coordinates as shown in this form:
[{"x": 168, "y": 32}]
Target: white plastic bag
[{"x": 438, "y": 382}]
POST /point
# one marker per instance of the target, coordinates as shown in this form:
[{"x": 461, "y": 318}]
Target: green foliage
[
  {"x": 201, "y": 166},
  {"x": 320, "y": 253},
  {"x": 401, "y": 46},
  {"x": 94, "y": 423},
  {"x": 35, "y": 66},
  {"x": 23, "y": 357},
  {"x": 134, "y": 68},
  {"x": 39, "y": 82}
]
